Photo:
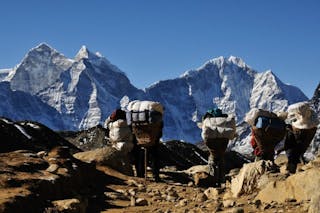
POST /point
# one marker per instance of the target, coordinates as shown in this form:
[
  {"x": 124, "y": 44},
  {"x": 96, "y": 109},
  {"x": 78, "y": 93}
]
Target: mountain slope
[
  {"x": 315, "y": 101},
  {"x": 227, "y": 83},
  {"x": 86, "y": 89}
]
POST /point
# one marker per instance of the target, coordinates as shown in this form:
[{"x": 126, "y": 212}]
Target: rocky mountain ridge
[{"x": 80, "y": 93}]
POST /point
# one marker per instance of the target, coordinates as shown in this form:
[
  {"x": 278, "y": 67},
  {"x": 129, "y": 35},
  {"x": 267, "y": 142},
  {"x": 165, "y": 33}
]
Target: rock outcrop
[
  {"x": 251, "y": 177},
  {"x": 301, "y": 186}
]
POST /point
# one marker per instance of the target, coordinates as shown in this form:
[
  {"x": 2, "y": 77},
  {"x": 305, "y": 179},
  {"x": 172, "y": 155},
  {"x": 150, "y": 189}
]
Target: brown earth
[
  {"x": 41, "y": 174},
  {"x": 57, "y": 182}
]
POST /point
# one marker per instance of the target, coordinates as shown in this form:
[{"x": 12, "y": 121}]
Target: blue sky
[{"x": 155, "y": 40}]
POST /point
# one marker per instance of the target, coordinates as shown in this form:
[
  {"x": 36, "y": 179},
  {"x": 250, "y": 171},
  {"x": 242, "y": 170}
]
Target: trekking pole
[{"x": 145, "y": 164}]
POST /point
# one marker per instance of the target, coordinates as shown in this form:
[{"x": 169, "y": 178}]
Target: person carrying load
[
  {"x": 147, "y": 124},
  {"x": 217, "y": 130},
  {"x": 267, "y": 130},
  {"x": 121, "y": 138},
  {"x": 302, "y": 126}
]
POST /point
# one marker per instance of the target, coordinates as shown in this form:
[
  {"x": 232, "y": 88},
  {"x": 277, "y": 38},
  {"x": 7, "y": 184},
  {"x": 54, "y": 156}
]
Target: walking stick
[{"x": 145, "y": 164}]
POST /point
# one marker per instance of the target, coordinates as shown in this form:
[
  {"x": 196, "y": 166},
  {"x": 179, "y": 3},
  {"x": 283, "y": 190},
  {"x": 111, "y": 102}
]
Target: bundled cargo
[
  {"x": 218, "y": 127},
  {"x": 146, "y": 120},
  {"x": 120, "y": 135},
  {"x": 144, "y": 112},
  {"x": 119, "y": 131},
  {"x": 254, "y": 113},
  {"x": 301, "y": 116}
]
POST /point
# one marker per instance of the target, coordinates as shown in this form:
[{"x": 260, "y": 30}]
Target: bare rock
[
  {"x": 141, "y": 188},
  {"x": 248, "y": 179},
  {"x": 237, "y": 210},
  {"x": 314, "y": 204},
  {"x": 141, "y": 202},
  {"x": 63, "y": 171},
  {"x": 116, "y": 196},
  {"x": 172, "y": 196},
  {"x": 201, "y": 197},
  {"x": 52, "y": 168},
  {"x": 228, "y": 203},
  {"x": 132, "y": 182},
  {"x": 212, "y": 193},
  {"x": 195, "y": 169},
  {"x": 190, "y": 184},
  {"x": 301, "y": 186},
  {"x": 132, "y": 192},
  {"x": 42, "y": 154},
  {"x": 70, "y": 206},
  {"x": 183, "y": 203},
  {"x": 107, "y": 156}
]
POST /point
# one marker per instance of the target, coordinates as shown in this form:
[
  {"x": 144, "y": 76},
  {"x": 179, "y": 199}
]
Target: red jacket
[{"x": 256, "y": 150}]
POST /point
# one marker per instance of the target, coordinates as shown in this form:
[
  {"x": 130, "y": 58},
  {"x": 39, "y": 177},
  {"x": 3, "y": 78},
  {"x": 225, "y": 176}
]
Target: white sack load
[
  {"x": 120, "y": 131},
  {"x": 301, "y": 116},
  {"x": 218, "y": 127},
  {"x": 140, "y": 106},
  {"x": 254, "y": 113}
]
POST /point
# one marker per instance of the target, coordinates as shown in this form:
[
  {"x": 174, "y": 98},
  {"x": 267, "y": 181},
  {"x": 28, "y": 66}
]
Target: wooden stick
[{"x": 145, "y": 164}]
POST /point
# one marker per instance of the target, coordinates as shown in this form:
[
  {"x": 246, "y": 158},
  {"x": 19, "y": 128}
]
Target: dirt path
[{"x": 169, "y": 196}]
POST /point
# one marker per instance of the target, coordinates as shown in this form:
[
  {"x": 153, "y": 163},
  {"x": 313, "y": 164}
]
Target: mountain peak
[
  {"x": 43, "y": 47},
  {"x": 231, "y": 60},
  {"x": 236, "y": 60},
  {"x": 85, "y": 53}
]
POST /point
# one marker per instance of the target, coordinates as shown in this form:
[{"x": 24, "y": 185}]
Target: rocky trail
[
  {"x": 57, "y": 182},
  {"x": 46, "y": 173}
]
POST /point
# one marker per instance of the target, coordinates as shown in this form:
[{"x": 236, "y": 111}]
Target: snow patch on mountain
[
  {"x": 93, "y": 115},
  {"x": 4, "y": 73}
]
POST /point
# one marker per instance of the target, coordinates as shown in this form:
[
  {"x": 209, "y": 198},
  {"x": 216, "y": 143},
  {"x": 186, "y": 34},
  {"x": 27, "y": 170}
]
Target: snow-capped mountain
[
  {"x": 86, "y": 89},
  {"x": 315, "y": 101},
  {"x": 83, "y": 90},
  {"x": 19, "y": 105},
  {"x": 227, "y": 83}
]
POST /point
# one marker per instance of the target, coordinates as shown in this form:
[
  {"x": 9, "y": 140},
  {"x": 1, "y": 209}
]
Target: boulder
[
  {"x": 107, "y": 156},
  {"x": 314, "y": 204},
  {"x": 212, "y": 193},
  {"x": 301, "y": 187},
  {"x": 250, "y": 177},
  {"x": 70, "y": 206},
  {"x": 197, "y": 169}
]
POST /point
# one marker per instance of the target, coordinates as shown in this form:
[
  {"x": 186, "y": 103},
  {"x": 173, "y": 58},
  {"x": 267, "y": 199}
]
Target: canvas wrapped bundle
[
  {"x": 268, "y": 128},
  {"x": 218, "y": 127},
  {"x": 301, "y": 116},
  {"x": 146, "y": 119},
  {"x": 254, "y": 113},
  {"x": 120, "y": 135},
  {"x": 119, "y": 131},
  {"x": 145, "y": 112}
]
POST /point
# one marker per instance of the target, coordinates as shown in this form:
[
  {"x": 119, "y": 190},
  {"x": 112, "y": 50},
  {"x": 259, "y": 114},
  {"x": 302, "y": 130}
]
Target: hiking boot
[{"x": 291, "y": 168}]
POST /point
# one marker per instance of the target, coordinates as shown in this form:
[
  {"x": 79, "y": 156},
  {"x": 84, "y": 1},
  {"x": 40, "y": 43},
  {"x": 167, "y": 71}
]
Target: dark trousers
[
  {"x": 296, "y": 144},
  {"x": 217, "y": 148},
  {"x": 152, "y": 157}
]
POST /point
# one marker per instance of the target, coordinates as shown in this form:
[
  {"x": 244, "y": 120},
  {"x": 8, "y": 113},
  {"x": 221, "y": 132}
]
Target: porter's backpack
[
  {"x": 218, "y": 127},
  {"x": 268, "y": 128},
  {"x": 146, "y": 121},
  {"x": 301, "y": 116}
]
